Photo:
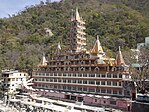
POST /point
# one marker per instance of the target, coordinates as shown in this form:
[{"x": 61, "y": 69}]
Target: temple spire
[
  {"x": 77, "y": 34},
  {"x": 44, "y": 61},
  {"x": 119, "y": 58},
  {"x": 58, "y": 50},
  {"x": 97, "y": 47},
  {"x": 72, "y": 15},
  {"x": 77, "y": 16}
]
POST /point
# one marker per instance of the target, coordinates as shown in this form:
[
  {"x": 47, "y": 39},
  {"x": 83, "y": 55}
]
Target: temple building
[{"x": 82, "y": 71}]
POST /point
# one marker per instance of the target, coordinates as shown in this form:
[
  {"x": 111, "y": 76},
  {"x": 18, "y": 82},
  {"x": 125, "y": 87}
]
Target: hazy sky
[{"x": 14, "y": 6}]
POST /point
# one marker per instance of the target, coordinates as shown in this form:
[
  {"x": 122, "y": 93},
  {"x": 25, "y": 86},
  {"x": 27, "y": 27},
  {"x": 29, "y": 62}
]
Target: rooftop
[{"x": 9, "y": 71}]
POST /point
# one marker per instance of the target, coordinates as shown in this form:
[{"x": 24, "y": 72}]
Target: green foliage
[{"x": 23, "y": 39}]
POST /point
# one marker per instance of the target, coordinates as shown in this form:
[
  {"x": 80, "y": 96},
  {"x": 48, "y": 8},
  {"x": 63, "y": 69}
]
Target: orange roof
[
  {"x": 119, "y": 58},
  {"x": 97, "y": 47}
]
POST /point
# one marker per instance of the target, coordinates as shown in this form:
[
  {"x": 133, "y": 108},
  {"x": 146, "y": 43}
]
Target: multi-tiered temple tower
[
  {"x": 77, "y": 34},
  {"x": 82, "y": 71}
]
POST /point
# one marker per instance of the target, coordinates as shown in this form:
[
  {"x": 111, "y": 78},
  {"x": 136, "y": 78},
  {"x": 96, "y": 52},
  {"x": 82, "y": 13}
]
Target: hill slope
[{"x": 23, "y": 39}]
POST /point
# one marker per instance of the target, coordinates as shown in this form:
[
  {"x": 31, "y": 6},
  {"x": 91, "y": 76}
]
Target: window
[
  {"x": 64, "y": 80},
  {"x": 84, "y": 75},
  {"x": 91, "y": 75},
  {"x": 79, "y": 75},
  {"x": 103, "y": 91},
  {"x": 97, "y": 82},
  {"x": 103, "y": 83},
  {"x": 51, "y": 86},
  {"x": 69, "y": 81},
  {"x": 69, "y": 75},
  {"x": 51, "y": 80},
  {"x": 114, "y": 75},
  {"x": 64, "y": 74},
  {"x": 120, "y": 92},
  {"x": 73, "y": 81},
  {"x": 114, "y": 83},
  {"x": 46, "y": 86},
  {"x": 59, "y": 80},
  {"x": 74, "y": 88},
  {"x": 91, "y": 82},
  {"x": 55, "y": 80},
  {"x": 55, "y": 87},
  {"x": 84, "y": 81},
  {"x": 120, "y": 75},
  {"x": 109, "y": 83},
  {"x": 103, "y": 75},
  {"x": 114, "y": 91},
  {"x": 98, "y": 89},
  {"x": 59, "y": 74},
  {"x": 84, "y": 89},
  {"x": 79, "y": 89},
  {"x": 44, "y": 74},
  {"x": 126, "y": 76},
  {"x": 66, "y": 57},
  {"x": 39, "y": 85},
  {"x": 120, "y": 83},
  {"x": 109, "y": 91},
  {"x": 80, "y": 81},
  {"x": 109, "y": 75},
  {"x": 55, "y": 74},
  {"x": 91, "y": 89},
  {"x": 113, "y": 102},
  {"x": 97, "y": 75},
  {"x": 95, "y": 100},
  {"x": 74, "y": 75},
  {"x": 69, "y": 87}
]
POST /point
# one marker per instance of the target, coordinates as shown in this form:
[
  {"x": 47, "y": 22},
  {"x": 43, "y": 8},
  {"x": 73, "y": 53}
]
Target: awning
[
  {"x": 68, "y": 93},
  {"x": 51, "y": 91},
  {"x": 83, "y": 94},
  {"x": 90, "y": 95},
  {"x": 75, "y": 93},
  {"x": 97, "y": 96}
]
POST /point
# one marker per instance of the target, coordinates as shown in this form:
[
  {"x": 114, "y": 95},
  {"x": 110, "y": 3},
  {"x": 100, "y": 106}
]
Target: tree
[{"x": 139, "y": 69}]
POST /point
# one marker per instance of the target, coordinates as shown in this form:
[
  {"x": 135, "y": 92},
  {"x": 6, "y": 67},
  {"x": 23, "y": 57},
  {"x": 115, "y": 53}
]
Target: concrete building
[
  {"x": 146, "y": 43},
  {"x": 12, "y": 80}
]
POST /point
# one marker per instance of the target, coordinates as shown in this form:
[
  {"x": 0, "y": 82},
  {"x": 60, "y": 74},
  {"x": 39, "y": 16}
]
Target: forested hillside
[{"x": 117, "y": 22}]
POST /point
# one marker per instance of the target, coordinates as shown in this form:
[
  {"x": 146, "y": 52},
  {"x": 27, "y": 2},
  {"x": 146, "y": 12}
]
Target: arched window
[
  {"x": 114, "y": 69},
  {"x": 82, "y": 69},
  {"x": 96, "y": 69},
  {"x": 82, "y": 62}
]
